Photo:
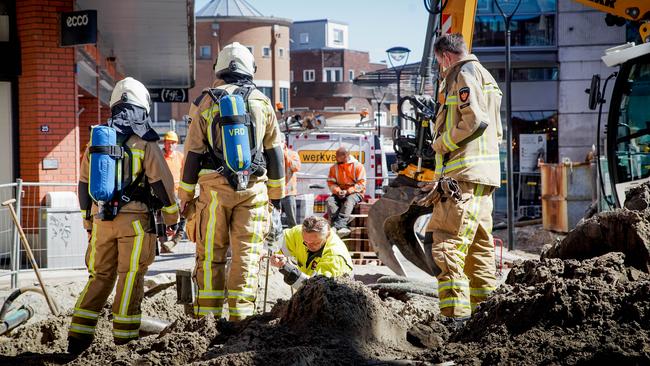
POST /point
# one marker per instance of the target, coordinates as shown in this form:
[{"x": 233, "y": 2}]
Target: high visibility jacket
[
  {"x": 203, "y": 113},
  {"x": 175, "y": 164},
  {"x": 291, "y": 165},
  {"x": 349, "y": 176},
  {"x": 334, "y": 260},
  {"x": 145, "y": 155},
  {"x": 465, "y": 151}
]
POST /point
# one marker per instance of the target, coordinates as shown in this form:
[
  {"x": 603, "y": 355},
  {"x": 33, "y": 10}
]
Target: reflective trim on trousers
[
  {"x": 254, "y": 252},
  {"x": 134, "y": 264},
  {"x": 244, "y": 295},
  {"x": 453, "y": 285},
  {"x": 481, "y": 291},
  {"x": 91, "y": 265},
  {"x": 119, "y": 333},
  {"x": 187, "y": 187},
  {"x": 210, "y": 294},
  {"x": 127, "y": 319},
  {"x": 204, "y": 310},
  {"x": 472, "y": 223},
  {"x": 209, "y": 242},
  {"x": 83, "y": 329},
  {"x": 86, "y": 314},
  {"x": 245, "y": 311},
  {"x": 454, "y": 302}
]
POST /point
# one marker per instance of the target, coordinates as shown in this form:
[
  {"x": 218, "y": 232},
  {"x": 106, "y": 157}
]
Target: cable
[
  {"x": 427, "y": 5},
  {"x": 600, "y": 115}
]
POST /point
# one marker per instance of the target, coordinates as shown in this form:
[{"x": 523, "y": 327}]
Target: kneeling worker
[{"x": 316, "y": 248}]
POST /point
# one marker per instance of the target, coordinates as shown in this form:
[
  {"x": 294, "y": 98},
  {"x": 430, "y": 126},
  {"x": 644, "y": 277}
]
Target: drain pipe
[{"x": 16, "y": 318}]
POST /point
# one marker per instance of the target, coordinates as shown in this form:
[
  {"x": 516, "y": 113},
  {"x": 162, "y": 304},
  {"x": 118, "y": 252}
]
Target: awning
[{"x": 153, "y": 40}]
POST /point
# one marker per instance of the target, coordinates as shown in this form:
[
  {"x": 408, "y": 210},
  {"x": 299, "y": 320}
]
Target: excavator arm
[{"x": 620, "y": 10}]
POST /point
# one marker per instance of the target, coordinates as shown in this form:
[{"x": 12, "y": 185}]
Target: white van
[{"x": 317, "y": 152}]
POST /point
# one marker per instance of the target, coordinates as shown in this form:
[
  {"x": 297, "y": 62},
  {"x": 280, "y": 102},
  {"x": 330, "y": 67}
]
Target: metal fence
[{"x": 52, "y": 224}]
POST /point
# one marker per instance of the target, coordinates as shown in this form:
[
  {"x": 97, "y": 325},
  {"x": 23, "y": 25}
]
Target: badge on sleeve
[{"x": 463, "y": 94}]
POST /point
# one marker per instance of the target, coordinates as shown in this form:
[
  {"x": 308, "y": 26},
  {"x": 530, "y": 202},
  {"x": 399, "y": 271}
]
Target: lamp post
[
  {"x": 507, "y": 17},
  {"x": 398, "y": 57}
]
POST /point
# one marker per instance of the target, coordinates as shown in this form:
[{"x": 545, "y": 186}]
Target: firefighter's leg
[
  {"x": 345, "y": 214},
  {"x": 211, "y": 248},
  {"x": 333, "y": 207},
  {"x": 249, "y": 225},
  {"x": 479, "y": 265},
  {"x": 136, "y": 251},
  {"x": 101, "y": 260},
  {"x": 453, "y": 226}
]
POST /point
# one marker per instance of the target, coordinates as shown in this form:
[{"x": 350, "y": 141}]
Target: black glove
[{"x": 292, "y": 275}]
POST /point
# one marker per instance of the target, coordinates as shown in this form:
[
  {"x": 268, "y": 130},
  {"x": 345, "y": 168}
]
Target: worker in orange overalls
[
  {"x": 175, "y": 160},
  {"x": 347, "y": 182},
  {"x": 291, "y": 166}
]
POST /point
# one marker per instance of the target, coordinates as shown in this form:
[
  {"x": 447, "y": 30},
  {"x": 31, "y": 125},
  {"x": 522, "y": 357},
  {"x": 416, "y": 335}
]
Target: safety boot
[{"x": 77, "y": 345}]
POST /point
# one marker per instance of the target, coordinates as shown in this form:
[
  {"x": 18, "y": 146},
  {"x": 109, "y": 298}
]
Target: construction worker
[
  {"x": 174, "y": 161},
  {"x": 122, "y": 236},
  {"x": 347, "y": 182},
  {"x": 466, "y": 142},
  {"x": 232, "y": 210},
  {"x": 317, "y": 250},
  {"x": 291, "y": 165}
]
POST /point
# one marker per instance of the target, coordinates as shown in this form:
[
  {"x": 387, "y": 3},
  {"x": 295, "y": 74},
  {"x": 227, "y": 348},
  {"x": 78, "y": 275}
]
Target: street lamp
[{"x": 398, "y": 57}]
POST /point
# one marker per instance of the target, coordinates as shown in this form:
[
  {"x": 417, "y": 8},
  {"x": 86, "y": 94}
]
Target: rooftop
[{"x": 228, "y": 8}]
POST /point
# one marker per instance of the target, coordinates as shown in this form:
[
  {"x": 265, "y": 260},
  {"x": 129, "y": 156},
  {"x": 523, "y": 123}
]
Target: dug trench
[{"x": 571, "y": 307}]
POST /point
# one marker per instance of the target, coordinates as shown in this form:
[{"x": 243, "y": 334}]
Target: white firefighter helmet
[
  {"x": 131, "y": 91},
  {"x": 235, "y": 58}
]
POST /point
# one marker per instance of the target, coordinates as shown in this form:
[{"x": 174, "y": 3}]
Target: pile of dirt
[
  {"x": 625, "y": 230},
  {"x": 559, "y": 312}
]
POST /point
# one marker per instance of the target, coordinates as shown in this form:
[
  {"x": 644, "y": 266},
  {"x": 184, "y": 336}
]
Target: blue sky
[{"x": 374, "y": 25}]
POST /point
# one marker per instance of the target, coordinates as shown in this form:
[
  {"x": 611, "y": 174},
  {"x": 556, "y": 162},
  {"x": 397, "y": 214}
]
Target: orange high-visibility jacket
[
  {"x": 349, "y": 176},
  {"x": 175, "y": 163},
  {"x": 291, "y": 165}
]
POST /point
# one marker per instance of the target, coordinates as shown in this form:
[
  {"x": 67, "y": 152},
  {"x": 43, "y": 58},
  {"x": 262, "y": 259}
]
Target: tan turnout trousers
[
  {"x": 229, "y": 219},
  {"x": 463, "y": 249},
  {"x": 120, "y": 249}
]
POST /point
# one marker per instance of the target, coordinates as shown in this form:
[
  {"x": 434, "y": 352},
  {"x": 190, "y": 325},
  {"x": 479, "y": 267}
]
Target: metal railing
[{"x": 54, "y": 234}]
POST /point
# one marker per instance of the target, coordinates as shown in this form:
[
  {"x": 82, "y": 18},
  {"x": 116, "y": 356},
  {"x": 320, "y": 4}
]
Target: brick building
[
  {"x": 221, "y": 22},
  {"x": 50, "y": 95},
  {"x": 323, "y": 68}
]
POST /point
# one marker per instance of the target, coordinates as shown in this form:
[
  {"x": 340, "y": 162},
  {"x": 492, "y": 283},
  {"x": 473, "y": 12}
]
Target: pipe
[
  {"x": 13, "y": 296},
  {"x": 151, "y": 326},
  {"x": 16, "y": 318}
]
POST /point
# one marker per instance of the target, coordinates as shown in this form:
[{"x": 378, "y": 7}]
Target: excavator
[{"x": 394, "y": 219}]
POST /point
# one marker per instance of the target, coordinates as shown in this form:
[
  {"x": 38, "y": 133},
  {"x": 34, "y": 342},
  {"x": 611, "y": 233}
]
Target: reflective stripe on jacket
[
  {"x": 472, "y": 98},
  {"x": 349, "y": 176},
  {"x": 334, "y": 261}
]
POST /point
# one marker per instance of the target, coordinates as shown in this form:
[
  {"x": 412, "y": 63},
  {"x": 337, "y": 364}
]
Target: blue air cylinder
[
  {"x": 235, "y": 133},
  {"x": 101, "y": 185}
]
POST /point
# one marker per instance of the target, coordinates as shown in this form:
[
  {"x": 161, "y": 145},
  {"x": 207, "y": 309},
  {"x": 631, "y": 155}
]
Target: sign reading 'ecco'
[{"x": 79, "y": 27}]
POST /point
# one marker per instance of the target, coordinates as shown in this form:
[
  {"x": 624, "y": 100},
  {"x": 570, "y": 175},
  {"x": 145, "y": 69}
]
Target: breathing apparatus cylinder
[
  {"x": 236, "y": 139},
  {"x": 103, "y": 165}
]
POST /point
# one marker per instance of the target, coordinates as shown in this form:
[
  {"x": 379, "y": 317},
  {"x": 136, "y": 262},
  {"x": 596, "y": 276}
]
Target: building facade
[
  {"x": 321, "y": 33},
  {"x": 220, "y": 23}
]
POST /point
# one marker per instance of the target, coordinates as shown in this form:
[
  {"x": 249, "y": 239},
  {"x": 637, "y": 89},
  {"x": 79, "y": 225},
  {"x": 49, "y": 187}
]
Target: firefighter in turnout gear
[
  {"x": 232, "y": 210},
  {"x": 122, "y": 234},
  {"x": 467, "y": 134}
]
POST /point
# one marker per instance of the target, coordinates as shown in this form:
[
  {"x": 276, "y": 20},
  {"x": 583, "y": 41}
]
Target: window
[
  {"x": 205, "y": 52},
  {"x": 268, "y": 91},
  {"x": 534, "y": 25},
  {"x": 338, "y": 36},
  {"x": 334, "y": 109},
  {"x": 527, "y": 74},
  {"x": 284, "y": 97},
  {"x": 332, "y": 74},
  {"x": 281, "y": 52},
  {"x": 351, "y": 75},
  {"x": 291, "y": 76},
  {"x": 308, "y": 75},
  {"x": 266, "y": 51},
  {"x": 304, "y": 38},
  {"x": 162, "y": 112}
]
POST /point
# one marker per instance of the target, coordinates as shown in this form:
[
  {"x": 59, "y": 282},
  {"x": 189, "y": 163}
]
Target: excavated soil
[{"x": 587, "y": 301}]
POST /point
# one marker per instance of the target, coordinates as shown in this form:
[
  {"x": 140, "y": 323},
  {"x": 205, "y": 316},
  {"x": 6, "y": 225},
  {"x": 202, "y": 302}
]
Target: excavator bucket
[{"x": 391, "y": 223}]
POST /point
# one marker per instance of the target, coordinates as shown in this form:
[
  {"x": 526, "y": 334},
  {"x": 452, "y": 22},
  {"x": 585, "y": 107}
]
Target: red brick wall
[{"x": 47, "y": 94}]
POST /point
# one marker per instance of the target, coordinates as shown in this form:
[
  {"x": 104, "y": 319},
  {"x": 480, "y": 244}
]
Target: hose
[
  {"x": 151, "y": 326},
  {"x": 16, "y": 318},
  {"x": 13, "y": 296}
]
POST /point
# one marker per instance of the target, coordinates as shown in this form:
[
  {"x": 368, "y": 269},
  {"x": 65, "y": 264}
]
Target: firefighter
[
  {"x": 122, "y": 241},
  {"x": 347, "y": 182},
  {"x": 232, "y": 210},
  {"x": 466, "y": 143},
  {"x": 292, "y": 165},
  {"x": 174, "y": 161},
  {"x": 317, "y": 250}
]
